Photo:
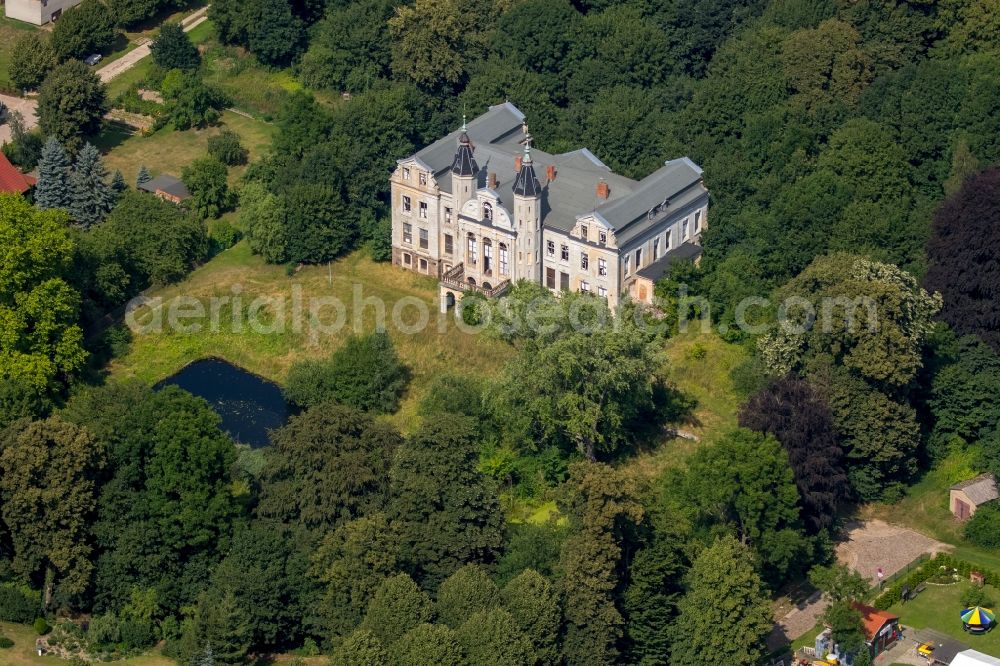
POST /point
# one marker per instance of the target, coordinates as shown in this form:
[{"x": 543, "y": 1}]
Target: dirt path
[
  {"x": 26, "y": 107},
  {"x": 133, "y": 57},
  {"x": 865, "y": 546}
]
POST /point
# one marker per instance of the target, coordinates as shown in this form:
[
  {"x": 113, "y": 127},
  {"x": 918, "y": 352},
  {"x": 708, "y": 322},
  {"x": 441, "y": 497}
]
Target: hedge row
[
  {"x": 894, "y": 593},
  {"x": 19, "y": 603}
]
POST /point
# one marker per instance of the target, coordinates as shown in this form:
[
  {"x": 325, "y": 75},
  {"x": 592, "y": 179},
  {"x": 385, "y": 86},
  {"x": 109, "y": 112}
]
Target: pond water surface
[{"x": 249, "y": 405}]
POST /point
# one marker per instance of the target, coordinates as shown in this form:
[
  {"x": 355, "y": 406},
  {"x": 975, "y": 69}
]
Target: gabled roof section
[
  {"x": 980, "y": 489},
  {"x": 873, "y": 619},
  {"x": 13, "y": 181}
]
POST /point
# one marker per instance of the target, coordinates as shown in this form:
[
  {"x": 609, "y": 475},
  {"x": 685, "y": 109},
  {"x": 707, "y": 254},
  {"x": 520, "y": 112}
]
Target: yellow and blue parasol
[{"x": 978, "y": 616}]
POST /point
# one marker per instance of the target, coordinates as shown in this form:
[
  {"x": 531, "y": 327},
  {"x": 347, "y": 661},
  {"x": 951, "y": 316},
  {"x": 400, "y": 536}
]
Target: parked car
[{"x": 93, "y": 59}]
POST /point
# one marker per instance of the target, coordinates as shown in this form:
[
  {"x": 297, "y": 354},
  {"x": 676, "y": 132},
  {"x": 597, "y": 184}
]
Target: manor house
[{"x": 481, "y": 209}]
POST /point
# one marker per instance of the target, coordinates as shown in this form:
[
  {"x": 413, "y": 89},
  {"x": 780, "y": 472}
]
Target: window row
[
  {"x": 602, "y": 265},
  {"x": 422, "y": 175},
  {"x": 472, "y": 254}
]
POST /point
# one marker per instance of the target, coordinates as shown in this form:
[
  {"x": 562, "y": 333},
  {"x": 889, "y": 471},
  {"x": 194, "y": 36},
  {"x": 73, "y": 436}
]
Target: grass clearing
[
  {"x": 169, "y": 151},
  {"x": 10, "y": 30},
  {"x": 938, "y": 606},
  {"x": 23, "y": 653},
  {"x": 699, "y": 365},
  {"x": 437, "y": 348}
]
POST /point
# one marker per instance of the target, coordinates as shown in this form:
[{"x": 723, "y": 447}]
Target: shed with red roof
[
  {"x": 881, "y": 628},
  {"x": 13, "y": 181}
]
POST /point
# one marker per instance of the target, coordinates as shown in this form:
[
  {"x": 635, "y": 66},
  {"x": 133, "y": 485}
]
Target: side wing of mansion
[{"x": 480, "y": 209}]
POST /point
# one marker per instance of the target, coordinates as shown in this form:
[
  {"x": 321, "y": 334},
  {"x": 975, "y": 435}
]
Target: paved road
[
  {"x": 26, "y": 107},
  {"x": 130, "y": 59}
]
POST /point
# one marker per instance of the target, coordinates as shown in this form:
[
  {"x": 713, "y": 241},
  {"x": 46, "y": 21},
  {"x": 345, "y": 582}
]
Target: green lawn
[
  {"x": 428, "y": 352},
  {"x": 169, "y": 151},
  {"x": 937, "y": 607},
  {"x": 10, "y": 30},
  {"x": 699, "y": 365},
  {"x": 23, "y": 653}
]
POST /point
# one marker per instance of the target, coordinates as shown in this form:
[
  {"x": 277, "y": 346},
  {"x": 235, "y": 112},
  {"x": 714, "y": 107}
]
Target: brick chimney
[
  {"x": 517, "y": 164},
  {"x": 492, "y": 181},
  {"x": 550, "y": 172},
  {"x": 603, "y": 191}
]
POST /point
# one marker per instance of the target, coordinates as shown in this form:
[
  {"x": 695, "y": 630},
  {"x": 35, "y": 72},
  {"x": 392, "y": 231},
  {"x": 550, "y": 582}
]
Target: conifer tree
[
  {"x": 118, "y": 185},
  {"x": 143, "y": 176},
  {"x": 93, "y": 197},
  {"x": 53, "y": 188}
]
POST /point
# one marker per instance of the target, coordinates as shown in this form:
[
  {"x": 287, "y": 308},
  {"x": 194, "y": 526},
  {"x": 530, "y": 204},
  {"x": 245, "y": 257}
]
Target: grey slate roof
[
  {"x": 656, "y": 270},
  {"x": 980, "y": 490},
  {"x": 465, "y": 162},
  {"x": 497, "y": 138},
  {"x": 167, "y": 183}
]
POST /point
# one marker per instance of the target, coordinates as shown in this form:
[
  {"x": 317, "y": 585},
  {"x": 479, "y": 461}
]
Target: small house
[
  {"x": 881, "y": 628},
  {"x": 38, "y": 12},
  {"x": 13, "y": 181},
  {"x": 167, "y": 187},
  {"x": 969, "y": 495}
]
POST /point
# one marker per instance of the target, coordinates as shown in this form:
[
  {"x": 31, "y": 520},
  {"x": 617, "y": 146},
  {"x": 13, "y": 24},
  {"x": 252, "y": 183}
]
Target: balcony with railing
[{"x": 455, "y": 279}]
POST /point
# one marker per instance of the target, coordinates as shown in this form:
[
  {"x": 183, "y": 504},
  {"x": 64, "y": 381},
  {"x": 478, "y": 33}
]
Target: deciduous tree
[
  {"x": 722, "y": 577},
  {"x": 173, "y": 49},
  {"x": 31, "y": 59},
  {"x": 48, "y": 471},
  {"x": 84, "y": 29},
  {"x": 71, "y": 103}
]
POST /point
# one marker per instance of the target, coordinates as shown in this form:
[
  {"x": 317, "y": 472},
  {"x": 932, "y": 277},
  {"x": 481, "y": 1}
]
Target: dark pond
[{"x": 249, "y": 405}]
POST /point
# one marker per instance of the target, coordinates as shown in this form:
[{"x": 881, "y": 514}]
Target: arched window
[
  {"x": 487, "y": 256},
  {"x": 473, "y": 252},
  {"x": 488, "y": 212},
  {"x": 503, "y": 259}
]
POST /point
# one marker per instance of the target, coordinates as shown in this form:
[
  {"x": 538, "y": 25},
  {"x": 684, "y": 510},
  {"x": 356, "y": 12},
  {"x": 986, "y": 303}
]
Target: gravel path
[
  {"x": 864, "y": 547},
  {"x": 132, "y": 58},
  {"x": 26, "y": 107}
]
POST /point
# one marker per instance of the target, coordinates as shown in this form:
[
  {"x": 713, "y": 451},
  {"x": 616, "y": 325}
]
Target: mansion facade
[{"x": 481, "y": 209}]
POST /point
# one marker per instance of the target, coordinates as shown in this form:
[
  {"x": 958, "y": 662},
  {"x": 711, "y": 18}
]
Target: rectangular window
[
  {"x": 423, "y": 178},
  {"x": 684, "y": 230},
  {"x": 668, "y": 239},
  {"x": 488, "y": 258},
  {"x": 564, "y": 252},
  {"x": 423, "y": 265},
  {"x": 406, "y": 259},
  {"x": 626, "y": 265},
  {"x": 473, "y": 251},
  {"x": 406, "y": 173},
  {"x": 551, "y": 248},
  {"x": 550, "y": 278},
  {"x": 602, "y": 292},
  {"x": 447, "y": 214},
  {"x": 407, "y": 205},
  {"x": 423, "y": 238},
  {"x": 697, "y": 221},
  {"x": 423, "y": 210},
  {"x": 503, "y": 259},
  {"x": 602, "y": 267},
  {"x": 563, "y": 281},
  {"x": 584, "y": 261},
  {"x": 638, "y": 259},
  {"x": 583, "y": 232},
  {"x": 449, "y": 244},
  {"x": 602, "y": 236},
  {"x": 407, "y": 233},
  {"x": 656, "y": 249},
  {"x": 584, "y": 287}
]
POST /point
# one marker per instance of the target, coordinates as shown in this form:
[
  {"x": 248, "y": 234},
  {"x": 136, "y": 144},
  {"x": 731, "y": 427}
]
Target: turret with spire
[
  {"x": 527, "y": 216},
  {"x": 464, "y": 169}
]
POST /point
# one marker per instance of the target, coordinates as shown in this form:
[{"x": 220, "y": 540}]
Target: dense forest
[{"x": 850, "y": 149}]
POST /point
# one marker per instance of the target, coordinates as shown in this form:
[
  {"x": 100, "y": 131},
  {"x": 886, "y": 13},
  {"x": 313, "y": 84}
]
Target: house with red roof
[
  {"x": 881, "y": 628},
  {"x": 13, "y": 181}
]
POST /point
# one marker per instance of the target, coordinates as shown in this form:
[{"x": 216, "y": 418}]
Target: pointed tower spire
[
  {"x": 526, "y": 183},
  {"x": 465, "y": 163}
]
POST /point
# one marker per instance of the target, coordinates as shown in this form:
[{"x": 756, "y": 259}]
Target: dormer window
[
  {"x": 602, "y": 236},
  {"x": 423, "y": 178},
  {"x": 583, "y": 232},
  {"x": 406, "y": 173},
  {"x": 488, "y": 212}
]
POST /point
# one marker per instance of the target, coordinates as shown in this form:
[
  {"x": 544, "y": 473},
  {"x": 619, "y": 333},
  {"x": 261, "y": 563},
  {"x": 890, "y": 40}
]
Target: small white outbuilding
[{"x": 974, "y": 658}]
